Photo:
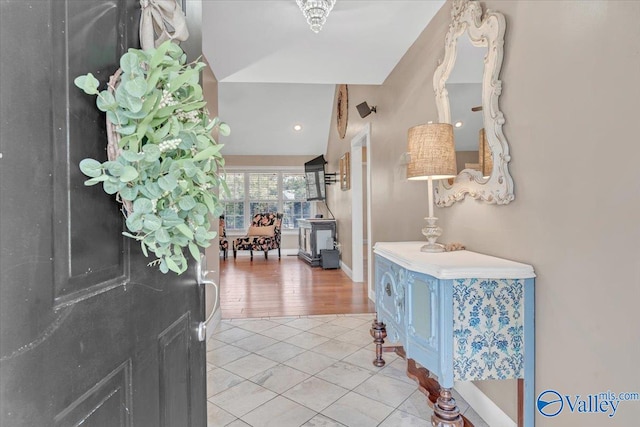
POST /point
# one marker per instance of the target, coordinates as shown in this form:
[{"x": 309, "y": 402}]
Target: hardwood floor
[{"x": 286, "y": 287}]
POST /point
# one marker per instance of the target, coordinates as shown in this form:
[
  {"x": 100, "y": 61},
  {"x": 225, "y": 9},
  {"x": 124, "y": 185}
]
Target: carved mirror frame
[{"x": 487, "y": 31}]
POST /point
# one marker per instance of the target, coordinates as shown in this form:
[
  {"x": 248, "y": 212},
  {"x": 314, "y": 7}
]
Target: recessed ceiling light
[
  {"x": 297, "y": 128},
  {"x": 458, "y": 124}
]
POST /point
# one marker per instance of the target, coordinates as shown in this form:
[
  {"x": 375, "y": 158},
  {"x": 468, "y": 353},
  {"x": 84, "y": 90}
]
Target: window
[
  {"x": 264, "y": 191},
  {"x": 234, "y": 202},
  {"x": 294, "y": 204}
]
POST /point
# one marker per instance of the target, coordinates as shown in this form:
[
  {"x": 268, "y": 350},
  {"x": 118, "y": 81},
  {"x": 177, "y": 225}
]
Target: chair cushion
[{"x": 261, "y": 231}]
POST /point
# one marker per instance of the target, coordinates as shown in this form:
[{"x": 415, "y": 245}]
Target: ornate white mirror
[{"x": 467, "y": 89}]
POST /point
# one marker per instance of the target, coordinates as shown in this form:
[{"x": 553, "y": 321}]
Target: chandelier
[{"x": 316, "y": 12}]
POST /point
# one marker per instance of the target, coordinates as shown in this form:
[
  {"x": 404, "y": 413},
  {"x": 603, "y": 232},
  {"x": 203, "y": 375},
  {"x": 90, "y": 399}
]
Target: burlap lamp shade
[{"x": 433, "y": 152}]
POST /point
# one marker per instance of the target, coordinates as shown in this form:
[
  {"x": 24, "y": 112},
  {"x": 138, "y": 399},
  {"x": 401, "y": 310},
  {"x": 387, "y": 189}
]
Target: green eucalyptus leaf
[
  {"x": 151, "y": 152},
  {"x": 172, "y": 265},
  {"x": 213, "y": 123},
  {"x": 200, "y": 209},
  {"x": 184, "y": 229},
  {"x": 158, "y": 54},
  {"x": 200, "y": 233},
  {"x": 132, "y": 156},
  {"x": 129, "y": 173},
  {"x": 208, "y": 200},
  {"x": 187, "y": 203},
  {"x": 188, "y": 140},
  {"x": 198, "y": 219},
  {"x": 110, "y": 187},
  {"x": 207, "y": 152},
  {"x": 150, "y": 102},
  {"x": 174, "y": 50},
  {"x": 189, "y": 168},
  {"x": 88, "y": 83},
  {"x": 106, "y": 101},
  {"x": 203, "y": 141},
  {"x": 195, "y": 252},
  {"x": 136, "y": 87},
  {"x": 176, "y": 126},
  {"x": 152, "y": 222},
  {"x": 162, "y": 235},
  {"x": 153, "y": 77},
  {"x": 168, "y": 182},
  {"x": 144, "y": 249},
  {"x": 166, "y": 164},
  {"x": 126, "y": 130},
  {"x": 129, "y": 62},
  {"x": 133, "y": 103},
  {"x": 162, "y": 132},
  {"x": 181, "y": 79},
  {"x": 193, "y": 106},
  {"x": 152, "y": 169},
  {"x": 118, "y": 117},
  {"x": 129, "y": 193},
  {"x": 96, "y": 180},
  {"x": 153, "y": 189},
  {"x": 135, "y": 116},
  {"x": 142, "y": 205},
  {"x": 91, "y": 167},
  {"x": 134, "y": 222},
  {"x": 167, "y": 111},
  {"x": 114, "y": 168},
  {"x": 163, "y": 267},
  {"x": 225, "y": 130}
]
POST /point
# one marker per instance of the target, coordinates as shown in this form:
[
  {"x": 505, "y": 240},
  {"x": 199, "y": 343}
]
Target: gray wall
[{"x": 571, "y": 98}]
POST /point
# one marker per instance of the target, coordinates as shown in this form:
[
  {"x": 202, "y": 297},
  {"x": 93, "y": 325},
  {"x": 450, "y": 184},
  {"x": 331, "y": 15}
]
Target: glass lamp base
[
  {"x": 432, "y": 247},
  {"x": 432, "y": 232}
]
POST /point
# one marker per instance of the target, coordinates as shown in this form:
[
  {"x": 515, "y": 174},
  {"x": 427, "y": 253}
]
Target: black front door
[{"x": 89, "y": 335}]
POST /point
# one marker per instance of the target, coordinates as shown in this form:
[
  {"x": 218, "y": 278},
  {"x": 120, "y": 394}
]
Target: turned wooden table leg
[
  {"x": 379, "y": 333},
  {"x": 445, "y": 411}
]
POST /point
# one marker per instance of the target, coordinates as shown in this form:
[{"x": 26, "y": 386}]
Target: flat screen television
[{"x": 314, "y": 174}]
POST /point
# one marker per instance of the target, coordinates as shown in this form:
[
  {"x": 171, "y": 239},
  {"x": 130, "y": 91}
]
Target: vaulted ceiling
[{"x": 274, "y": 72}]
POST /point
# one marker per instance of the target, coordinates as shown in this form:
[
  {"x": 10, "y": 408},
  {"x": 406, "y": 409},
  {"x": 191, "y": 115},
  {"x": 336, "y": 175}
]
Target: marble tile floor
[{"x": 309, "y": 371}]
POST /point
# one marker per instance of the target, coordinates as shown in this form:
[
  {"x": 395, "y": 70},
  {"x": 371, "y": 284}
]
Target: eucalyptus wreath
[{"x": 167, "y": 161}]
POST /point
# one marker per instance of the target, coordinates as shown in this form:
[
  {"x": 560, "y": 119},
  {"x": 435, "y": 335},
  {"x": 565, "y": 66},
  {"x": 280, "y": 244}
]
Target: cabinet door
[
  {"x": 390, "y": 299},
  {"x": 423, "y": 320}
]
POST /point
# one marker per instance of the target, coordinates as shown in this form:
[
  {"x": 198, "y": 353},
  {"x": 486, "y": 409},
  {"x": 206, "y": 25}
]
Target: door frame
[{"x": 360, "y": 140}]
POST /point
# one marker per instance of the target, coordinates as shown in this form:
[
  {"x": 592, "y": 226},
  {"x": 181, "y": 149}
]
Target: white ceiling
[{"x": 274, "y": 72}]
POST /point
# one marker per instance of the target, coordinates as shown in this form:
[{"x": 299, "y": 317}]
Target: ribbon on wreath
[{"x": 161, "y": 20}]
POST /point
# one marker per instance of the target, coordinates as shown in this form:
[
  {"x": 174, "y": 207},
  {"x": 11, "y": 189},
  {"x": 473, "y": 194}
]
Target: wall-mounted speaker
[{"x": 364, "y": 110}]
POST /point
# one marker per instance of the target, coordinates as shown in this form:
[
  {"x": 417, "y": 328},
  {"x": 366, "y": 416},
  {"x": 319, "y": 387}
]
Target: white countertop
[{"x": 452, "y": 265}]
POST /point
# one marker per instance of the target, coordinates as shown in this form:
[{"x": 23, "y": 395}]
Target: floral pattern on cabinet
[{"x": 488, "y": 329}]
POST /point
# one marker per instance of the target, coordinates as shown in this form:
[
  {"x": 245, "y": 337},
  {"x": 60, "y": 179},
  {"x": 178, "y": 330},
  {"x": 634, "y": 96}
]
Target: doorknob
[{"x": 201, "y": 274}]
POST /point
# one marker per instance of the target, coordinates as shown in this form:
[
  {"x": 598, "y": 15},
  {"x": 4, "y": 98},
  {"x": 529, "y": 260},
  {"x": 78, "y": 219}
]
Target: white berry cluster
[
  {"x": 167, "y": 99},
  {"x": 154, "y": 204},
  {"x": 169, "y": 144},
  {"x": 189, "y": 116}
]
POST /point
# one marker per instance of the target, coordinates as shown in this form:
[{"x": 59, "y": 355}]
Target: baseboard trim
[
  {"x": 346, "y": 270},
  {"x": 485, "y": 407},
  {"x": 272, "y": 253}
]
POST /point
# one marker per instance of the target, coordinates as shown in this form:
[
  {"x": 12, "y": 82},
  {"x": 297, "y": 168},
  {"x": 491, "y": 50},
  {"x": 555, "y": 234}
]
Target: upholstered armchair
[
  {"x": 263, "y": 235},
  {"x": 222, "y": 233}
]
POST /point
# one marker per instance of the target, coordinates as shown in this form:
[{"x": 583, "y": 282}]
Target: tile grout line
[{"x": 334, "y": 339}]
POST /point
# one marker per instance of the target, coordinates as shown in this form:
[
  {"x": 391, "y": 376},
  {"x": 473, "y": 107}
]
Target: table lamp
[{"x": 433, "y": 156}]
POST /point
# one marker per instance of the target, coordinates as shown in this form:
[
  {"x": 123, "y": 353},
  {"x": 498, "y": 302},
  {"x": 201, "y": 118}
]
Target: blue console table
[{"x": 463, "y": 316}]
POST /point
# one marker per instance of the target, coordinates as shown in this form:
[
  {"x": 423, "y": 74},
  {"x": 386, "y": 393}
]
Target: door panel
[
  {"x": 106, "y": 403},
  {"x": 175, "y": 398},
  {"x": 87, "y": 330},
  {"x": 87, "y": 37}
]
